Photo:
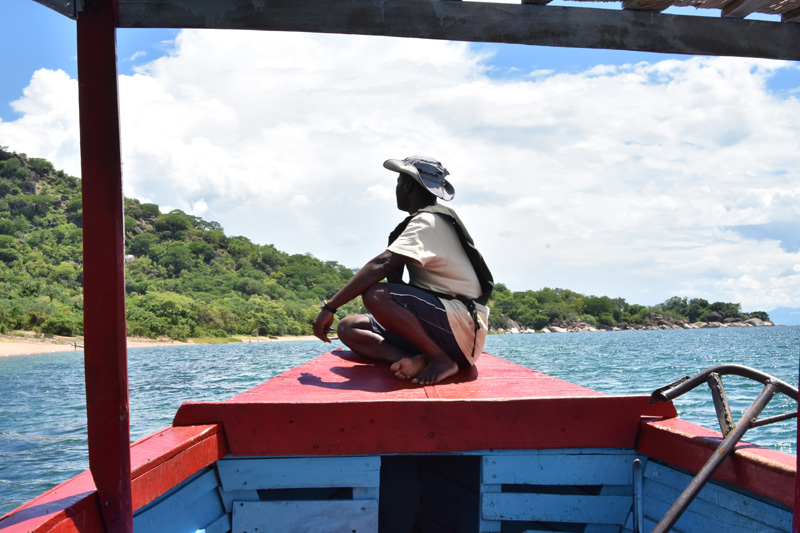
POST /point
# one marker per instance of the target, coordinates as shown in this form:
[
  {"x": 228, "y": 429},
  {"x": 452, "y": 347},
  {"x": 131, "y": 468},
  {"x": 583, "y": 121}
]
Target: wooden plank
[
  {"x": 167, "y": 458},
  {"x": 83, "y": 522},
  {"x": 601, "y": 528},
  {"x": 556, "y": 508},
  {"x": 367, "y": 493},
  {"x": 65, "y": 7},
  {"x": 380, "y": 427},
  {"x": 701, "y": 517},
  {"x": 159, "y": 462},
  {"x": 742, "y": 8},
  {"x": 768, "y": 473},
  {"x": 302, "y": 472},
  {"x": 222, "y": 525},
  {"x": 536, "y": 469},
  {"x": 732, "y": 507},
  {"x": 105, "y": 359},
  {"x": 67, "y": 503},
  {"x": 486, "y": 525},
  {"x": 231, "y": 496},
  {"x": 791, "y": 16},
  {"x": 341, "y": 376},
  {"x": 303, "y": 516},
  {"x": 191, "y": 506},
  {"x": 579, "y": 27},
  {"x": 647, "y": 5}
]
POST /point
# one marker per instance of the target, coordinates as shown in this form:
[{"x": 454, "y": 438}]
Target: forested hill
[{"x": 187, "y": 278}]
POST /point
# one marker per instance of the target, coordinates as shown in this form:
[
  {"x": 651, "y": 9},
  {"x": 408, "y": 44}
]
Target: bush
[{"x": 63, "y": 323}]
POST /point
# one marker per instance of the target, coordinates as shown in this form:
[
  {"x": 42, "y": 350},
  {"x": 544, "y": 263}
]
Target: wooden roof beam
[
  {"x": 791, "y": 16},
  {"x": 576, "y": 27},
  {"x": 742, "y": 8},
  {"x": 646, "y": 5}
]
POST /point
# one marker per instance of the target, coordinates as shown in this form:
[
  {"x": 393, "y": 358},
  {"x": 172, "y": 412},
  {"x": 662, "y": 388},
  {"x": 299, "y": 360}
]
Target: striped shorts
[{"x": 432, "y": 315}]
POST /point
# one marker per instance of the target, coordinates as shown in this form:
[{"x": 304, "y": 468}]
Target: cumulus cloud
[
  {"x": 623, "y": 180},
  {"x": 48, "y": 126}
]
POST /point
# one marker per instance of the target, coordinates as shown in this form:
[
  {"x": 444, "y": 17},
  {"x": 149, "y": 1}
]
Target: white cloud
[
  {"x": 48, "y": 126},
  {"x": 198, "y": 208},
  {"x": 619, "y": 180},
  {"x": 137, "y": 55}
]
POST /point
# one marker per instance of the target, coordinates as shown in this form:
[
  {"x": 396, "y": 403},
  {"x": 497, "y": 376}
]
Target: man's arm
[{"x": 373, "y": 272}]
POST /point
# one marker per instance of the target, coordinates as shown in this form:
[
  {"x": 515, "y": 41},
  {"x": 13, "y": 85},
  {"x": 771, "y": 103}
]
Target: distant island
[{"x": 187, "y": 279}]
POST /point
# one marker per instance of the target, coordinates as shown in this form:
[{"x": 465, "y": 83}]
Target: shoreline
[{"x": 26, "y": 343}]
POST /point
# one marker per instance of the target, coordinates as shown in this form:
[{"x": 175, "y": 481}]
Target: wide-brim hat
[{"x": 426, "y": 171}]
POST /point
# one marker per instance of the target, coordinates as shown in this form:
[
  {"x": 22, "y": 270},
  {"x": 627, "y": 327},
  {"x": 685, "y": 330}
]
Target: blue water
[{"x": 42, "y": 403}]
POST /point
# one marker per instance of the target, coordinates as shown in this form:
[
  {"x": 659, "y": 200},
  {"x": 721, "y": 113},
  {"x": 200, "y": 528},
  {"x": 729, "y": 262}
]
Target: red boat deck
[{"x": 341, "y": 404}]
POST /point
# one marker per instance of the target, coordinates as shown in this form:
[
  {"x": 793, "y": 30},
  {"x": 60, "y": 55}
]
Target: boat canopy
[{"x": 637, "y": 25}]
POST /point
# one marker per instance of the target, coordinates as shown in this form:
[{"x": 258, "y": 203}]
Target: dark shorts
[{"x": 432, "y": 315}]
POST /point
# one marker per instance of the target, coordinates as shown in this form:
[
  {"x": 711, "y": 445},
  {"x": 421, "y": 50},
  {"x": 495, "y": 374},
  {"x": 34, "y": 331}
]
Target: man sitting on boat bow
[{"x": 435, "y": 325}]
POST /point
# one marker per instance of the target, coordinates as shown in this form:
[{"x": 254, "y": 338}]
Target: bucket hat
[{"x": 426, "y": 171}]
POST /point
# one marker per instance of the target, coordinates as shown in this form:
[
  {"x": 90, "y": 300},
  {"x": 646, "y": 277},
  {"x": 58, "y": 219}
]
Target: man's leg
[
  {"x": 355, "y": 331},
  {"x": 427, "y": 368}
]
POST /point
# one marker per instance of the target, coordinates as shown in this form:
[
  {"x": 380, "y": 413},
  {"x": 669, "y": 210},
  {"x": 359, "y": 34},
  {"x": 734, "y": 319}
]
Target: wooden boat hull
[{"x": 337, "y": 444}]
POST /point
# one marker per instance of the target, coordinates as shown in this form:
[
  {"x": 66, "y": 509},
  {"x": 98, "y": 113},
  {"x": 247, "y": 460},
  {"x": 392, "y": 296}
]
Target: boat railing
[{"x": 732, "y": 432}]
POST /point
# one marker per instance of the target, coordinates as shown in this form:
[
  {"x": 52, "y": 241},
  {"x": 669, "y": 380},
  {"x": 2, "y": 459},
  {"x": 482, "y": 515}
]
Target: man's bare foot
[
  {"x": 409, "y": 367},
  {"x": 436, "y": 370}
]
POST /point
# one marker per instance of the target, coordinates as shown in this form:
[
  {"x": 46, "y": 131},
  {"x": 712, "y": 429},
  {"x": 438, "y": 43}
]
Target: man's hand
[{"x": 322, "y": 325}]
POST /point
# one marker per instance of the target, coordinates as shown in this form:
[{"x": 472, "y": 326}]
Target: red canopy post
[{"x": 103, "y": 264}]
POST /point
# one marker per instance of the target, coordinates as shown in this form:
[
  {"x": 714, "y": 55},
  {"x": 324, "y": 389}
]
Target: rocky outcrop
[{"x": 654, "y": 322}]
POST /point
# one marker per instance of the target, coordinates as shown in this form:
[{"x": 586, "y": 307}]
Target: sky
[{"x": 633, "y": 175}]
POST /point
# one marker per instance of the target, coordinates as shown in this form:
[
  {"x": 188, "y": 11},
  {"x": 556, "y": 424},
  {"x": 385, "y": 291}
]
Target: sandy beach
[{"x": 24, "y": 343}]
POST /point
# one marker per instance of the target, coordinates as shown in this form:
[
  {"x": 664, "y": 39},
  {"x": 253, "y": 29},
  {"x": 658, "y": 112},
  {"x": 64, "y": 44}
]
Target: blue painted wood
[
  {"x": 487, "y": 525},
  {"x": 557, "y": 469},
  {"x": 663, "y": 484},
  {"x": 552, "y": 451},
  {"x": 591, "y": 528},
  {"x": 617, "y": 490},
  {"x": 305, "y": 516},
  {"x": 222, "y": 525},
  {"x": 229, "y": 496},
  {"x": 299, "y": 472},
  {"x": 366, "y": 493},
  {"x": 561, "y": 469},
  {"x": 648, "y": 525},
  {"x": 556, "y": 508},
  {"x": 191, "y": 506},
  {"x": 601, "y": 528},
  {"x": 704, "y": 518}
]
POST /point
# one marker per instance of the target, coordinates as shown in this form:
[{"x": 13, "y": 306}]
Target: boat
[
  {"x": 340, "y": 444},
  {"x": 335, "y": 444}
]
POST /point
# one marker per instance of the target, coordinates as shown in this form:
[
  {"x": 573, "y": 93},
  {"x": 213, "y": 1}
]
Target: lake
[{"x": 42, "y": 400}]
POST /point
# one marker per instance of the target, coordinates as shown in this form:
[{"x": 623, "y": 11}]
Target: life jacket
[{"x": 475, "y": 257}]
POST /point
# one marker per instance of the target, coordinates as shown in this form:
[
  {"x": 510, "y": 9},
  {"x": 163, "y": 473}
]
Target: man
[{"x": 434, "y": 326}]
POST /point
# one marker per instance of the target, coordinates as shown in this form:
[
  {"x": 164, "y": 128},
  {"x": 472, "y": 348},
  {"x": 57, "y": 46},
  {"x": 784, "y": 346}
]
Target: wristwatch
[{"x": 327, "y": 307}]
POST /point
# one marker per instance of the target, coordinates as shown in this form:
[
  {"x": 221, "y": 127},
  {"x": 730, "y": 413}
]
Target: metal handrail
[{"x": 732, "y": 432}]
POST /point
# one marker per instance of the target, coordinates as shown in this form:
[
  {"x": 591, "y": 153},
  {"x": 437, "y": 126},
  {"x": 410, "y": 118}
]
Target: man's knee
[
  {"x": 344, "y": 327},
  {"x": 348, "y": 324},
  {"x": 375, "y": 297}
]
